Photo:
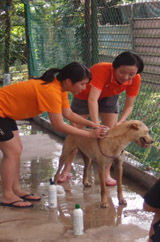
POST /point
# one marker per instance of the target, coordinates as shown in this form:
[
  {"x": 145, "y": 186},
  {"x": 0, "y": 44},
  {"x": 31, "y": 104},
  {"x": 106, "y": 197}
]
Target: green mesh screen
[
  {"x": 92, "y": 31},
  {"x": 55, "y": 34}
]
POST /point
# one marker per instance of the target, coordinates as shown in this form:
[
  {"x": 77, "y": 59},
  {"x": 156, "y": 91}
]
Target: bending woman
[
  {"x": 100, "y": 98},
  {"x": 23, "y": 100}
]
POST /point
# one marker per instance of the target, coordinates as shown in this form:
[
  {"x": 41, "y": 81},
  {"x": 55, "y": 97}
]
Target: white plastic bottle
[
  {"x": 78, "y": 224},
  {"x": 60, "y": 191},
  {"x": 52, "y": 194}
]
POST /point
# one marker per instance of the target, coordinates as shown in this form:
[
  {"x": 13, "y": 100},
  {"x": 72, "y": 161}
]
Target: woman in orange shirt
[
  {"x": 27, "y": 99},
  {"x": 100, "y": 98}
]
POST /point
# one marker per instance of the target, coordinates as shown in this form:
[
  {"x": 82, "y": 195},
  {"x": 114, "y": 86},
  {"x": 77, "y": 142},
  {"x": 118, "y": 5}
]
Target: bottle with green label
[{"x": 78, "y": 223}]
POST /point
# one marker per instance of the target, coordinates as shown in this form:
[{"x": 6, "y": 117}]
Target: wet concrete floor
[{"x": 41, "y": 224}]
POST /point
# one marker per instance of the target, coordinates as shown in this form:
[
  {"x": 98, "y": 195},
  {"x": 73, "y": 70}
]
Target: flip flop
[
  {"x": 13, "y": 204},
  {"x": 63, "y": 178},
  {"x": 26, "y": 197},
  {"x": 111, "y": 182}
]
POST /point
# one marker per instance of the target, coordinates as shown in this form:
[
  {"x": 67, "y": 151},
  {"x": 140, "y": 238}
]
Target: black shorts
[
  {"x": 7, "y": 125},
  {"x": 106, "y": 105},
  {"x": 152, "y": 197}
]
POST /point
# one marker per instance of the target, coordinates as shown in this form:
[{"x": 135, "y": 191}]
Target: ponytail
[
  {"x": 48, "y": 76},
  {"x": 75, "y": 72}
]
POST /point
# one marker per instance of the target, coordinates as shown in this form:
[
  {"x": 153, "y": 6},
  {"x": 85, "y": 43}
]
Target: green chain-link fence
[{"x": 91, "y": 31}]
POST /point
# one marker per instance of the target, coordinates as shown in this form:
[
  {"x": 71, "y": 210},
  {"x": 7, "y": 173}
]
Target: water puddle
[{"x": 130, "y": 219}]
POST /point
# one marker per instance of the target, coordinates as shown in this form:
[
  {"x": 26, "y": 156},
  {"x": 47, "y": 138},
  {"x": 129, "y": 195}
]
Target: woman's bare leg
[
  {"x": 110, "y": 120},
  {"x": 10, "y": 169},
  {"x": 16, "y": 184}
]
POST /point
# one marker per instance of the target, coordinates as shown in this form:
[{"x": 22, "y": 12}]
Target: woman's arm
[
  {"x": 58, "y": 124},
  {"x": 128, "y": 108},
  {"x": 75, "y": 118},
  {"x": 93, "y": 97}
]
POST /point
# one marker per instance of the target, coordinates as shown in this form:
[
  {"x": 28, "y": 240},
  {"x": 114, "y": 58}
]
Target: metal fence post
[
  {"x": 87, "y": 45},
  {"x": 94, "y": 31}
]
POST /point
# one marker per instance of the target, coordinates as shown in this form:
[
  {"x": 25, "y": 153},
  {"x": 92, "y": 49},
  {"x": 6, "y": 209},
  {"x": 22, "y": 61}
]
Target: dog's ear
[{"x": 134, "y": 126}]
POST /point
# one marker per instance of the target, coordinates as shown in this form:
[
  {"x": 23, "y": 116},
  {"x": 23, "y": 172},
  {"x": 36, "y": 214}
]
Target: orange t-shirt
[
  {"x": 30, "y": 98},
  {"x": 103, "y": 78}
]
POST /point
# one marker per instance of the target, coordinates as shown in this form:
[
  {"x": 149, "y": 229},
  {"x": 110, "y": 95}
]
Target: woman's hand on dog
[{"x": 99, "y": 132}]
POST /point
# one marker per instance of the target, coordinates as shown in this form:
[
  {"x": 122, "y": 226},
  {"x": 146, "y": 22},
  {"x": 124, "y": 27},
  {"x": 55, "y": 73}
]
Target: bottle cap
[
  {"x": 77, "y": 206},
  {"x": 51, "y": 181}
]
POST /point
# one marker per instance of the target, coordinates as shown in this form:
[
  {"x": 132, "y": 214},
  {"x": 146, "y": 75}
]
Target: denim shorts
[
  {"x": 106, "y": 105},
  {"x": 7, "y": 125}
]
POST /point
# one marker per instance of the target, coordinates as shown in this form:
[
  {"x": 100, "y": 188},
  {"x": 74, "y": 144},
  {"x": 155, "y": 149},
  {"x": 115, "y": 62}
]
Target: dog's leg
[
  {"x": 104, "y": 193},
  {"x": 61, "y": 163},
  {"x": 86, "y": 171},
  {"x": 119, "y": 173},
  {"x": 67, "y": 152}
]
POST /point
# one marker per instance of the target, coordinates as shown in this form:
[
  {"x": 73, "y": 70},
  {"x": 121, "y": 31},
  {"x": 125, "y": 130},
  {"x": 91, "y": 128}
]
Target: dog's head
[{"x": 140, "y": 133}]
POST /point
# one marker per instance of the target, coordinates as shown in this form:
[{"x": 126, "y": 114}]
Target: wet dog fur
[{"x": 104, "y": 151}]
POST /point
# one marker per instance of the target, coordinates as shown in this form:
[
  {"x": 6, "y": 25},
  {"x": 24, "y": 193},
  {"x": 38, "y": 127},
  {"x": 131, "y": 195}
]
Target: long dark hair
[
  {"x": 128, "y": 59},
  {"x": 74, "y": 71}
]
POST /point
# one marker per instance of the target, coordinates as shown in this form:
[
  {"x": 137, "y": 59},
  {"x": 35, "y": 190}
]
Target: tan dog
[{"x": 103, "y": 151}]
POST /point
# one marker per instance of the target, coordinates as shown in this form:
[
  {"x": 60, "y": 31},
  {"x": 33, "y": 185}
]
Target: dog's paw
[
  {"x": 87, "y": 184},
  {"x": 122, "y": 201},
  {"x": 104, "y": 205}
]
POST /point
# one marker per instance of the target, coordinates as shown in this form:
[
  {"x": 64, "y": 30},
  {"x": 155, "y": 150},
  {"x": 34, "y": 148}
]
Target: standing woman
[
  {"x": 27, "y": 99},
  {"x": 100, "y": 98}
]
